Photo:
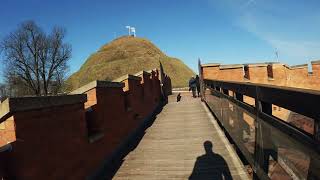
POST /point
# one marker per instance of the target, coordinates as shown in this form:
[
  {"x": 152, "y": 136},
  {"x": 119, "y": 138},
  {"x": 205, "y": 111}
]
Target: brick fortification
[
  {"x": 73, "y": 136},
  {"x": 267, "y": 73},
  {"x": 273, "y": 74}
]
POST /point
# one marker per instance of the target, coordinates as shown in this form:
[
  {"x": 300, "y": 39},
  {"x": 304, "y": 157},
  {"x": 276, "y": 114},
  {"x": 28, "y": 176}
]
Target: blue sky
[{"x": 217, "y": 31}]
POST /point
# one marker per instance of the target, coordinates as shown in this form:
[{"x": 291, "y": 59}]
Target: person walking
[
  {"x": 193, "y": 86},
  {"x": 198, "y": 85}
]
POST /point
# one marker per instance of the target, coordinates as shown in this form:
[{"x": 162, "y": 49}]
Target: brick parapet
[
  {"x": 74, "y": 133},
  {"x": 20, "y": 104},
  {"x": 266, "y": 73},
  {"x": 44, "y": 128}
]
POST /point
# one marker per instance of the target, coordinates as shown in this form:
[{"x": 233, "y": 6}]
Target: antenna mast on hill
[{"x": 277, "y": 55}]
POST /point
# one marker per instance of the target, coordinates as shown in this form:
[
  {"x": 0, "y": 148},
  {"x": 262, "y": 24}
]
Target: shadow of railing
[{"x": 273, "y": 147}]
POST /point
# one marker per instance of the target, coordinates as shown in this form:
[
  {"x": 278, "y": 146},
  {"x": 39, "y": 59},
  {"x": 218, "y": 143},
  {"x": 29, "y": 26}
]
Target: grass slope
[{"x": 128, "y": 55}]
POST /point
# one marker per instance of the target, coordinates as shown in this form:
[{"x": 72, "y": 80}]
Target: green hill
[{"x": 128, "y": 55}]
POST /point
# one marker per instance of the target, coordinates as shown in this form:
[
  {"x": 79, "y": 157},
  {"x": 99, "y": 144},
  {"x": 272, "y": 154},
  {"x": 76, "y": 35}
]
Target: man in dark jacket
[
  {"x": 198, "y": 85},
  {"x": 193, "y": 86}
]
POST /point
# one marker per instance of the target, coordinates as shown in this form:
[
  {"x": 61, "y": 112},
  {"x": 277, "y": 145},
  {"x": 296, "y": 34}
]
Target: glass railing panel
[
  {"x": 302, "y": 122},
  {"x": 247, "y": 125},
  {"x": 295, "y": 119},
  {"x": 240, "y": 125},
  {"x": 226, "y": 114},
  {"x": 214, "y": 103},
  {"x": 289, "y": 158}
]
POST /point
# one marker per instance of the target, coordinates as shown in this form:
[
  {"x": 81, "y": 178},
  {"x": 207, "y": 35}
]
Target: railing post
[
  {"x": 239, "y": 97},
  {"x": 202, "y": 85},
  {"x": 225, "y": 91},
  {"x": 314, "y": 166},
  {"x": 266, "y": 108},
  {"x": 317, "y": 129},
  {"x": 264, "y": 146},
  {"x": 217, "y": 88}
]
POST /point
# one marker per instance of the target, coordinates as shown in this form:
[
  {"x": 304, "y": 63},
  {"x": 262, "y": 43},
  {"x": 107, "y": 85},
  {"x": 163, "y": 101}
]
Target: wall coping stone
[
  {"x": 152, "y": 70},
  {"x": 97, "y": 84},
  {"x": 287, "y": 66},
  {"x": 127, "y": 76},
  {"x": 299, "y": 66},
  {"x": 140, "y": 73},
  {"x": 295, "y": 66},
  {"x": 210, "y": 65},
  {"x": 279, "y": 64},
  {"x": 231, "y": 66},
  {"x": 270, "y": 63},
  {"x": 20, "y": 104},
  {"x": 257, "y": 65},
  {"x": 315, "y": 62}
]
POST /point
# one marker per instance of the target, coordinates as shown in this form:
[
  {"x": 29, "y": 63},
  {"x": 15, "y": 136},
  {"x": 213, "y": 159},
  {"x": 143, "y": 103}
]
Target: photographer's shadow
[{"x": 210, "y": 166}]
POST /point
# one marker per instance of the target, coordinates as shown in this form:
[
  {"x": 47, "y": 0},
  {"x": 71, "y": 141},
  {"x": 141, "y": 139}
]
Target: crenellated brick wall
[
  {"x": 72, "y": 136},
  {"x": 279, "y": 74}
]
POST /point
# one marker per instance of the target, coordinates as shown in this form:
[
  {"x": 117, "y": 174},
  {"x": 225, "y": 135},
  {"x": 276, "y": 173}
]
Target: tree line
[{"x": 35, "y": 62}]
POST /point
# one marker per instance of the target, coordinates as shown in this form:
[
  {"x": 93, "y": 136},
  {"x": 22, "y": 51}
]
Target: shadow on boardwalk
[{"x": 210, "y": 166}]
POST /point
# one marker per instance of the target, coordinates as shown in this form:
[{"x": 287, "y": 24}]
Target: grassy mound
[{"x": 128, "y": 55}]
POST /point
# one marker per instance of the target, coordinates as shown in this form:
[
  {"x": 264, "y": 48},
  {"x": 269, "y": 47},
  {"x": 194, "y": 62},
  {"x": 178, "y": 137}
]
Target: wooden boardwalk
[{"x": 173, "y": 144}]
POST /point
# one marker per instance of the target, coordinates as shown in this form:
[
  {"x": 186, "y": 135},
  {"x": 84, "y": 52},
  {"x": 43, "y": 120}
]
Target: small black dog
[{"x": 178, "y": 97}]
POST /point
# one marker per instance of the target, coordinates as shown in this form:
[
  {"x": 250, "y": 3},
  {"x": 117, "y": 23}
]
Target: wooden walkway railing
[{"x": 273, "y": 147}]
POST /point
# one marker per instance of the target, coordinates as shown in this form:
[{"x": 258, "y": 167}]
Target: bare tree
[
  {"x": 15, "y": 86},
  {"x": 3, "y": 92},
  {"x": 36, "y": 59}
]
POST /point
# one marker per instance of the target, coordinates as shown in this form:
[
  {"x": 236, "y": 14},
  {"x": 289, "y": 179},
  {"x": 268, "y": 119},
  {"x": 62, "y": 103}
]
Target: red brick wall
[
  {"x": 282, "y": 75},
  {"x": 114, "y": 123},
  {"x": 156, "y": 88},
  {"x": 117, "y": 120},
  {"x": 46, "y": 141},
  {"x": 211, "y": 72},
  {"x": 135, "y": 98},
  {"x": 55, "y": 143},
  {"x": 316, "y": 69},
  {"x": 235, "y": 74},
  {"x": 147, "y": 91},
  {"x": 258, "y": 74},
  {"x": 279, "y": 75}
]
